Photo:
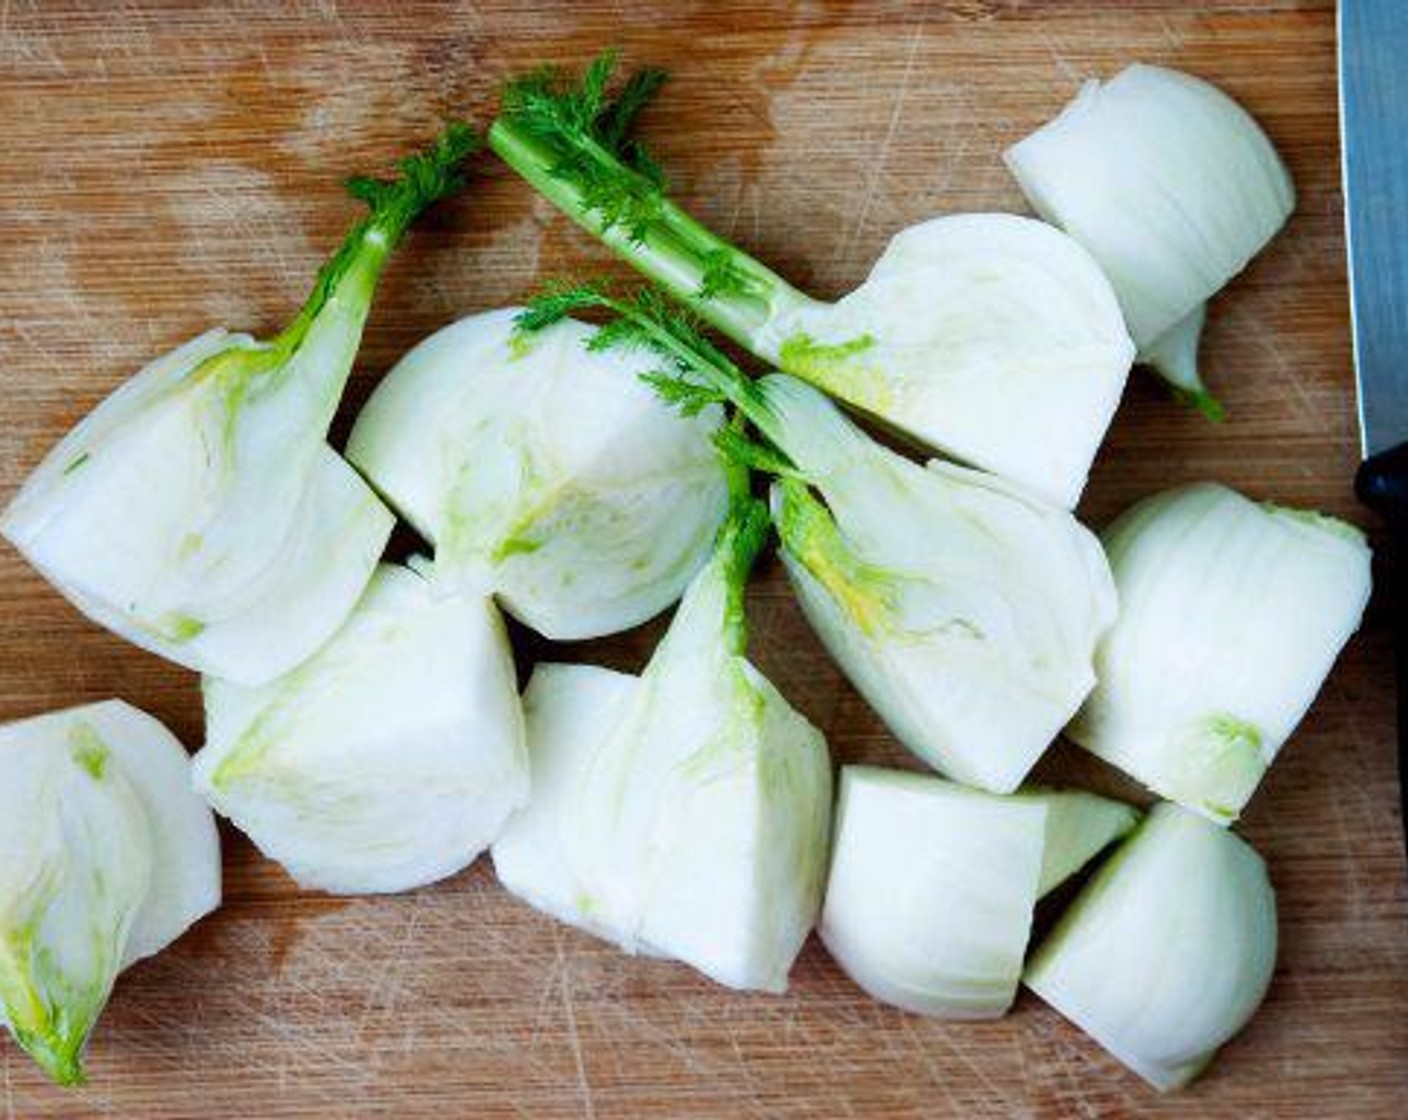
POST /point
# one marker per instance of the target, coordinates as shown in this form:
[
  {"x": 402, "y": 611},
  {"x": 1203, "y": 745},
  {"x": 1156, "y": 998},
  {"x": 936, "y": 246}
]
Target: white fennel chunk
[
  {"x": 389, "y": 759},
  {"x": 1231, "y": 616},
  {"x": 932, "y": 886},
  {"x": 198, "y": 511},
  {"x": 106, "y": 856},
  {"x": 1173, "y": 187},
  {"x": 544, "y": 472},
  {"x": 1168, "y": 951},
  {"x": 684, "y": 814}
]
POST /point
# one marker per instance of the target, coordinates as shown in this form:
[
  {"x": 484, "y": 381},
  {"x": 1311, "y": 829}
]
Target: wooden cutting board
[{"x": 169, "y": 167}]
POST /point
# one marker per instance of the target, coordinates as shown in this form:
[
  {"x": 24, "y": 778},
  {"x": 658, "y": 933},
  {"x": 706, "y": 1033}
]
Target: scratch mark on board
[
  {"x": 569, "y": 1006},
  {"x": 872, "y": 186}
]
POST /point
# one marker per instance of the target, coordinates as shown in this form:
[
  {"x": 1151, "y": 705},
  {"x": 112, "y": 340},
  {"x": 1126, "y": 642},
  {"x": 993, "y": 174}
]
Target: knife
[{"x": 1373, "y": 76}]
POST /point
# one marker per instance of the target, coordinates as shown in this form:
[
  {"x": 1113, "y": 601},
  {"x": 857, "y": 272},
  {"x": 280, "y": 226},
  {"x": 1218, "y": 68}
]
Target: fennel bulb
[
  {"x": 106, "y": 856},
  {"x": 545, "y": 472},
  {"x": 964, "y": 608},
  {"x": 1173, "y": 188},
  {"x": 1168, "y": 951},
  {"x": 683, "y": 814},
  {"x": 931, "y": 890},
  {"x": 1231, "y": 615},
  {"x": 389, "y": 759},
  {"x": 988, "y": 336},
  {"x": 198, "y": 511}
]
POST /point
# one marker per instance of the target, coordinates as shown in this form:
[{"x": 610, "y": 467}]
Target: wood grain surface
[{"x": 169, "y": 167}]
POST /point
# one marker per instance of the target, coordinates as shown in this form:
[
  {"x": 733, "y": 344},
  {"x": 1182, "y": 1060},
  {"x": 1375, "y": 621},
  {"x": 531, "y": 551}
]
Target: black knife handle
[{"x": 1382, "y": 485}]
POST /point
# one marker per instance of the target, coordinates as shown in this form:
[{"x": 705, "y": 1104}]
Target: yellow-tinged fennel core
[
  {"x": 106, "y": 856},
  {"x": 932, "y": 886},
  {"x": 544, "y": 472},
  {"x": 684, "y": 813},
  {"x": 1173, "y": 188},
  {"x": 1168, "y": 951},
  {"x": 965, "y": 608},
  {"x": 198, "y": 511},
  {"x": 993, "y": 338},
  {"x": 1231, "y": 616}
]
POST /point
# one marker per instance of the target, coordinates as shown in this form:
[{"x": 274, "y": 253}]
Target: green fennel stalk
[{"x": 569, "y": 141}]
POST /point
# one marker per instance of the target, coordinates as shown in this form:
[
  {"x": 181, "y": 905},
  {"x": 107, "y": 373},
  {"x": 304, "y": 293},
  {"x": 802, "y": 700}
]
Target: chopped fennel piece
[
  {"x": 1231, "y": 616},
  {"x": 1173, "y": 188},
  {"x": 545, "y": 472},
  {"x": 684, "y": 814},
  {"x": 389, "y": 759},
  {"x": 964, "y": 608},
  {"x": 570, "y": 711},
  {"x": 993, "y": 338},
  {"x": 1174, "y": 355},
  {"x": 932, "y": 886},
  {"x": 198, "y": 511},
  {"x": 1168, "y": 951},
  {"x": 1079, "y": 825},
  {"x": 106, "y": 856}
]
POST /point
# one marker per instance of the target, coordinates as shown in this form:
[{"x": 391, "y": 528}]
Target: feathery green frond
[
  {"x": 586, "y": 129},
  {"x": 681, "y": 394},
  {"x": 423, "y": 178},
  {"x": 697, "y": 372},
  {"x": 736, "y": 447},
  {"x": 557, "y": 300},
  {"x": 640, "y": 89}
]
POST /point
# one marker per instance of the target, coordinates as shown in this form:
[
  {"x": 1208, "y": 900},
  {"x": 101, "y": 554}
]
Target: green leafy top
[
  {"x": 696, "y": 373},
  {"x": 570, "y": 139},
  {"x": 395, "y": 203},
  {"x": 424, "y": 178},
  {"x": 587, "y": 129}
]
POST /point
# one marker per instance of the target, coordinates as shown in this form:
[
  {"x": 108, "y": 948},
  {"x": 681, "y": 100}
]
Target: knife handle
[{"x": 1382, "y": 485}]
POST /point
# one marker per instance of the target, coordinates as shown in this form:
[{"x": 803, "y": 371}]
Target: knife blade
[
  {"x": 1373, "y": 80},
  {"x": 1373, "y": 74}
]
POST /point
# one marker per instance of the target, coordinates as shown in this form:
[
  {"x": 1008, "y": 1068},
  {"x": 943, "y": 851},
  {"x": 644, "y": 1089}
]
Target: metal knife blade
[{"x": 1373, "y": 77}]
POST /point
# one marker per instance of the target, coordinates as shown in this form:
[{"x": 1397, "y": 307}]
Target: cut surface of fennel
[
  {"x": 1232, "y": 614},
  {"x": 931, "y": 889},
  {"x": 684, "y": 813},
  {"x": 106, "y": 856},
  {"x": 389, "y": 759},
  {"x": 1168, "y": 951},
  {"x": 545, "y": 473},
  {"x": 965, "y": 609}
]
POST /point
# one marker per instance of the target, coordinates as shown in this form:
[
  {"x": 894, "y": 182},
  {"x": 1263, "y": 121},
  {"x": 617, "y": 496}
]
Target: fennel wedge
[
  {"x": 993, "y": 338},
  {"x": 198, "y": 511}
]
